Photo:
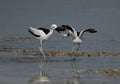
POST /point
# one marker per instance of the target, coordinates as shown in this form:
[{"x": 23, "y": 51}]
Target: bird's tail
[
  {"x": 33, "y": 31},
  {"x": 30, "y": 27}
]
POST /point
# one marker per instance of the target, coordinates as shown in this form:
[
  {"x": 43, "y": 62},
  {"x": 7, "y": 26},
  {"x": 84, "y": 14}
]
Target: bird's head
[{"x": 53, "y": 26}]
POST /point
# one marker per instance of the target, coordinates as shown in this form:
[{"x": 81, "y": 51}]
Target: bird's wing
[
  {"x": 87, "y": 30},
  {"x": 60, "y": 29},
  {"x": 70, "y": 29},
  {"x": 46, "y": 31},
  {"x": 36, "y": 31}
]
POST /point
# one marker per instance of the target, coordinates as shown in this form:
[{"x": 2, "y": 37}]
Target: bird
[
  {"x": 78, "y": 36},
  {"x": 42, "y": 34},
  {"x": 77, "y": 40}
]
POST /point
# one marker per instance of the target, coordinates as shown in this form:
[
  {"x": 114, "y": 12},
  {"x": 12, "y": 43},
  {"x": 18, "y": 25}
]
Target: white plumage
[
  {"x": 72, "y": 32},
  {"x": 42, "y": 34}
]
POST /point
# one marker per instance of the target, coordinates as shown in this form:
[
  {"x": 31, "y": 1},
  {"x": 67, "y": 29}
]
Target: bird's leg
[
  {"x": 73, "y": 51},
  {"x": 41, "y": 49},
  {"x": 78, "y": 47},
  {"x": 73, "y": 47}
]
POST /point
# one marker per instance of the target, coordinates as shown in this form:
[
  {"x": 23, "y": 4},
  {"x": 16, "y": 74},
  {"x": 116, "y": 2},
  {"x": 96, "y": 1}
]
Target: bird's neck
[{"x": 51, "y": 32}]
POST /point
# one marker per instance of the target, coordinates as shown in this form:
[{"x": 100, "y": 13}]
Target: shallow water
[
  {"x": 15, "y": 18},
  {"x": 17, "y": 69}
]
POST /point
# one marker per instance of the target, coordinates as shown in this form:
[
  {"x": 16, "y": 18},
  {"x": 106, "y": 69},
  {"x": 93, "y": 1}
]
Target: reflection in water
[
  {"x": 43, "y": 78},
  {"x": 76, "y": 75},
  {"x": 40, "y": 79},
  {"x": 76, "y": 80}
]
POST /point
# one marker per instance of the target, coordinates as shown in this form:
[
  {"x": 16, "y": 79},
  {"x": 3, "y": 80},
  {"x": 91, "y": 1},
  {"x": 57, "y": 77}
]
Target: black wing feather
[
  {"x": 64, "y": 28},
  {"x": 44, "y": 30},
  {"x": 68, "y": 27},
  {"x": 33, "y": 33},
  {"x": 60, "y": 29},
  {"x": 91, "y": 30}
]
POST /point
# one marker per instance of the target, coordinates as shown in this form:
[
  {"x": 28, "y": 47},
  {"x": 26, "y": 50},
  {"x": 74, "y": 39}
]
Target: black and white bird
[
  {"x": 78, "y": 36},
  {"x": 42, "y": 34}
]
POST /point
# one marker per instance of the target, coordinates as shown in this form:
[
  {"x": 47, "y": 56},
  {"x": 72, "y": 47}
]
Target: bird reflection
[
  {"x": 42, "y": 78},
  {"x": 76, "y": 75},
  {"x": 76, "y": 80}
]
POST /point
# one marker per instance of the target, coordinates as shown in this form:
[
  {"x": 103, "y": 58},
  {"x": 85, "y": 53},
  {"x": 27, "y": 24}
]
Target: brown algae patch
[
  {"x": 109, "y": 72},
  {"x": 48, "y": 53},
  {"x": 55, "y": 53},
  {"x": 14, "y": 39}
]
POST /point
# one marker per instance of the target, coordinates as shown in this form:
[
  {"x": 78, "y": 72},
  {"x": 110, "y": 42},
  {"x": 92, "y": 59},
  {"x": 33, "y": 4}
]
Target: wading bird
[
  {"x": 42, "y": 34},
  {"x": 77, "y": 40},
  {"x": 78, "y": 36}
]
